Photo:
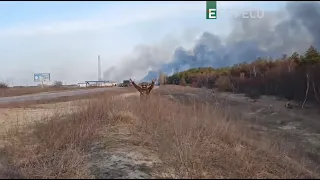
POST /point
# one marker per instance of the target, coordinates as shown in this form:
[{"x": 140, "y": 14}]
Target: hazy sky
[{"x": 65, "y": 38}]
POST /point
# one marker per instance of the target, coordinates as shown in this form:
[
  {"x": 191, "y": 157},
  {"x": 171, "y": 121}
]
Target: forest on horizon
[{"x": 294, "y": 77}]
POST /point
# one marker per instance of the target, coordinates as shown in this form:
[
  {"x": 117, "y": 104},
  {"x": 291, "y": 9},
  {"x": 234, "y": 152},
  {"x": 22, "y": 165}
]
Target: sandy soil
[
  {"x": 119, "y": 157},
  {"x": 10, "y": 117}
]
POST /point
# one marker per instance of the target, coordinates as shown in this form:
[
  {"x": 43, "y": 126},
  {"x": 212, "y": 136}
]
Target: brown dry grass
[
  {"x": 19, "y": 91},
  {"x": 95, "y": 95},
  {"x": 193, "y": 141},
  {"x": 8, "y": 92}
]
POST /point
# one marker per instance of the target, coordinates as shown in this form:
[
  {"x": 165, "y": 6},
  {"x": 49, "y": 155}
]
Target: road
[{"x": 52, "y": 95}]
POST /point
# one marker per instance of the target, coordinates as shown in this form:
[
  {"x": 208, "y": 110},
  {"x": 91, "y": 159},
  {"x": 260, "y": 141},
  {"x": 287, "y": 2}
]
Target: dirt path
[{"x": 120, "y": 156}]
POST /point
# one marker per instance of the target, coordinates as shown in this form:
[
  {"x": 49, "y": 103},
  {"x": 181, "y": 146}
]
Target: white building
[
  {"x": 105, "y": 84},
  {"x": 97, "y": 84}
]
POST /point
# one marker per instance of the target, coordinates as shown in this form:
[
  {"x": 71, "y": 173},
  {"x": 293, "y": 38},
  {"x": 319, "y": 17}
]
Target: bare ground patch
[{"x": 121, "y": 157}]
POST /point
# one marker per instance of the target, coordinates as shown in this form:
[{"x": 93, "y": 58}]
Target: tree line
[{"x": 295, "y": 77}]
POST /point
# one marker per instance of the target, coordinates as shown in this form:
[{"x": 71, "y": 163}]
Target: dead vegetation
[
  {"x": 3, "y": 85},
  {"x": 31, "y": 103},
  {"x": 54, "y": 147},
  {"x": 18, "y": 91},
  {"x": 293, "y": 77},
  {"x": 193, "y": 141},
  {"x": 6, "y": 91}
]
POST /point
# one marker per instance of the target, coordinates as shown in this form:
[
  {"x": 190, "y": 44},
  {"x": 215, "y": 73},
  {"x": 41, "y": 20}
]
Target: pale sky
[{"x": 65, "y": 38}]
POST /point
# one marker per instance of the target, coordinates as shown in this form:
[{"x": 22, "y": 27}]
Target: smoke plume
[{"x": 293, "y": 29}]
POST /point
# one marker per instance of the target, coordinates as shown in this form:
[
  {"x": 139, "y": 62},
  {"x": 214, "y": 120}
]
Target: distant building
[{"x": 97, "y": 84}]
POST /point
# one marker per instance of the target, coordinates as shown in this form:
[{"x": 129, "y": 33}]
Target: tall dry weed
[{"x": 194, "y": 140}]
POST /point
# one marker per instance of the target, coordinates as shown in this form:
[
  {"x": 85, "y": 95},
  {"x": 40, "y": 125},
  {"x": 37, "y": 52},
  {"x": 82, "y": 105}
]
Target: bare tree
[
  {"x": 315, "y": 91},
  {"x": 307, "y": 90},
  {"x": 57, "y": 83}
]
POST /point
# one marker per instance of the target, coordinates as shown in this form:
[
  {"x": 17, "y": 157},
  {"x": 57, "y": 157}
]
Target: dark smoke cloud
[
  {"x": 294, "y": 29},
  {"x": 141, "y": 59}
]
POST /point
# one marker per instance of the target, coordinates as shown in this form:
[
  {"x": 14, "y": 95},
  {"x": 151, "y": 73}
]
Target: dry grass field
[
  {"x": 179, "y": 133},
  {"x": 8, "y": 92}
]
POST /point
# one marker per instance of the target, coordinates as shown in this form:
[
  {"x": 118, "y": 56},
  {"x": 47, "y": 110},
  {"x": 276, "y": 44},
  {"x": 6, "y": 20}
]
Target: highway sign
[{"x": 41, "y": 77}]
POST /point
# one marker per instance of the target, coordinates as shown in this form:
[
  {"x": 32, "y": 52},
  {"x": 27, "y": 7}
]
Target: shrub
[{"x": 3, "y": 85}]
